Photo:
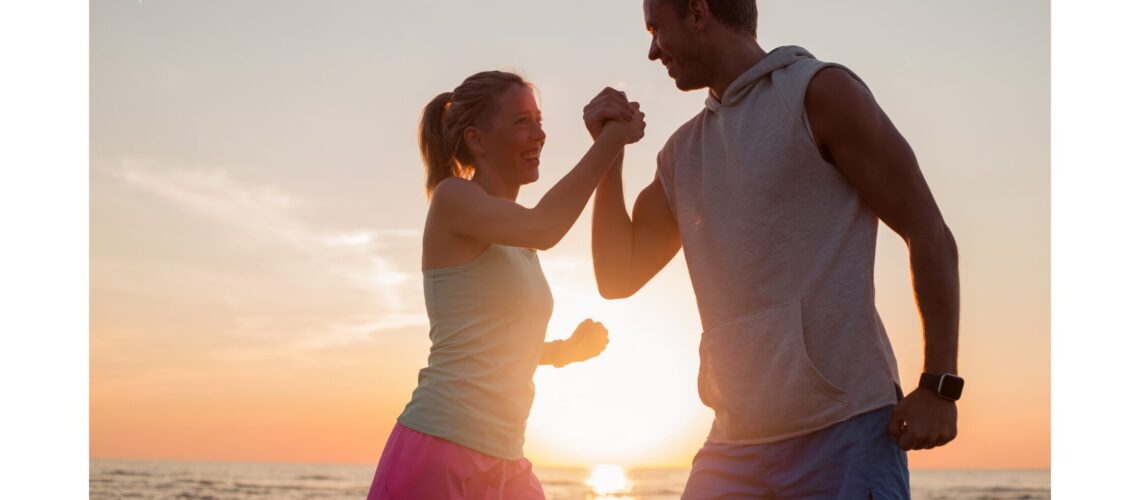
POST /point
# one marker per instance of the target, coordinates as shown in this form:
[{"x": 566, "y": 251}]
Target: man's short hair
[{"x": 738, "y": 15}]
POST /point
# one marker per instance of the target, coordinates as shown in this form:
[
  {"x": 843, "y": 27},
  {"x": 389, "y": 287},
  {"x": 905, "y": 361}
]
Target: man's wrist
[
  {"x": 939, "y": 367},
  {"x": 614, "y": 172},
  {"x": 946, "y": 385}
]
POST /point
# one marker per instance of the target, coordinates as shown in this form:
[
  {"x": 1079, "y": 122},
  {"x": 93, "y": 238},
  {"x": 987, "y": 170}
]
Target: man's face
[{"x": 674, "y": 43}]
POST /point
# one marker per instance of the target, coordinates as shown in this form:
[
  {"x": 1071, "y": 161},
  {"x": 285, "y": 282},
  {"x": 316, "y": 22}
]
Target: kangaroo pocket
[{"x": 756, "y": 375}]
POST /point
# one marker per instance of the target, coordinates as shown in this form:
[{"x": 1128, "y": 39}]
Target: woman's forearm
[
  {"x": 552, "y": 354},
  {"x": 563, "y": 204}
]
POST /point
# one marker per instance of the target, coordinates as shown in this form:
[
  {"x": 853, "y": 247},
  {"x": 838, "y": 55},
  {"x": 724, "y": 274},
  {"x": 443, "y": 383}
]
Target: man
[{"x": 775, "y": 190}]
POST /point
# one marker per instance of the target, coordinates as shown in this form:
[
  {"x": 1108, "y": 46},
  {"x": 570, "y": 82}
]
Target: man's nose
[{"x": 654, "y": 51}]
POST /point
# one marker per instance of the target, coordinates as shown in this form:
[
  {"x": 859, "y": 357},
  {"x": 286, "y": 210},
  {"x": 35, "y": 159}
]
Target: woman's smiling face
[{"x": 513, "y": 138}]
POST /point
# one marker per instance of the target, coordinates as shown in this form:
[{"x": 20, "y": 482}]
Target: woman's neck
[{"x": 496, "y": 185}]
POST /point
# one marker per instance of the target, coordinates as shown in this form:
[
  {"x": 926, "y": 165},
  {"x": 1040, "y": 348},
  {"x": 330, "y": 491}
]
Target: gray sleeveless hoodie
[{"x": 781, "y": 253}]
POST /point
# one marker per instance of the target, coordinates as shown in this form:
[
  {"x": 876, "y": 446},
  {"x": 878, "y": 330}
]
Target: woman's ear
[{"x": 473, "y": 138}]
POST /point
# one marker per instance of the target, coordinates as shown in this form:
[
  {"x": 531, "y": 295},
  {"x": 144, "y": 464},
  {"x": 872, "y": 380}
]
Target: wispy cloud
[{"x": 310, "y": 285}]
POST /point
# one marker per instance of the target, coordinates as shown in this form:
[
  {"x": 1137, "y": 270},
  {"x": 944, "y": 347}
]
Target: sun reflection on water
[{"x": 609, "y": 482}]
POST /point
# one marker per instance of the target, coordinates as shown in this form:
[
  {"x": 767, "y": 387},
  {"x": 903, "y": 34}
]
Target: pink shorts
[{"x": 417, "y": 466}]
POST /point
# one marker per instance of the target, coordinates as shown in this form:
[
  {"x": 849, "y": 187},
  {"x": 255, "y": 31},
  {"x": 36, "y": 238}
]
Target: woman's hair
[{"x": 444, "y": 119}]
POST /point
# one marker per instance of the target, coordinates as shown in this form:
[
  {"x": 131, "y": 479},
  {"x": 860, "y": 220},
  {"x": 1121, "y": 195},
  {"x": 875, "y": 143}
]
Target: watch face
[{"x": 951, "y": 386}]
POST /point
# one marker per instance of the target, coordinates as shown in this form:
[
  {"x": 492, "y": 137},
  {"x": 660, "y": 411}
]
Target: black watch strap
[{"x": 947, "y": 385}]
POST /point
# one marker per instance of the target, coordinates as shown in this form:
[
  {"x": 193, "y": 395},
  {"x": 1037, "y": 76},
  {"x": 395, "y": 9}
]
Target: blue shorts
[{"x": 854, "y": 459}]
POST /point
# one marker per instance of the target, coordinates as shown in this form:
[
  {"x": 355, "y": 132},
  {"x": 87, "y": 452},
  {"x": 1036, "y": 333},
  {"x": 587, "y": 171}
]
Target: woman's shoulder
[
  {"x": 454, "y": 182},
  {"x": 450, "y": 200},
  {"x": 455, "y": 189}
]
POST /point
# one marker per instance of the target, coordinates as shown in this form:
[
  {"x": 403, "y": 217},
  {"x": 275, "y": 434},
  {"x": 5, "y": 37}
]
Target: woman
[{"x": 461, "y": 436}]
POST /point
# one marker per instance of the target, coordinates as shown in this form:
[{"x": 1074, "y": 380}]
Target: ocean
[{"x": 114, "y": 479}]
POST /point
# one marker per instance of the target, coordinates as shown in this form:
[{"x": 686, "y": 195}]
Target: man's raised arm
[{"x": 629, "y": 252}]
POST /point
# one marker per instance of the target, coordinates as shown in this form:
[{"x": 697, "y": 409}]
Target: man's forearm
[
  {"x": 612, "y": 233},
  {"x": 934, "y": 265}
]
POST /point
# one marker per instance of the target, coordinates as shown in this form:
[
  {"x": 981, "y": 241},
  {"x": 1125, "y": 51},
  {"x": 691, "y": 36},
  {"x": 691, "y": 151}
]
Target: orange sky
[{"x": 256, "y": 205}]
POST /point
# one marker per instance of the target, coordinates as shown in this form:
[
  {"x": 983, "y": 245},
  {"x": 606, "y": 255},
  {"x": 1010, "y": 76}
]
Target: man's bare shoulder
[
  {"x": 834, "y": 85},
  {"x": 840, "y": 107}
]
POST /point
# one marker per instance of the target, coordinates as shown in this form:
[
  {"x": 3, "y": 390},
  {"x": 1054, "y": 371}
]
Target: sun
[
  {"x": 636, "y": 404},
  {"x": 608, "y": 479}
]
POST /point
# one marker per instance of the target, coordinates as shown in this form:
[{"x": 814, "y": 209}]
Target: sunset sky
[{"x": 257, "y": 206}]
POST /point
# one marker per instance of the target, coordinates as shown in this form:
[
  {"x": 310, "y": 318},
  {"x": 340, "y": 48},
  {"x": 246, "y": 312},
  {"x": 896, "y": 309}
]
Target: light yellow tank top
[{"x": 488, "y": 322}]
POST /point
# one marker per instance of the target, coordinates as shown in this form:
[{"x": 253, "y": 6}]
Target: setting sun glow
[
  {"x": 256, "y": 292},
  {"x": 608, "y": 480}
]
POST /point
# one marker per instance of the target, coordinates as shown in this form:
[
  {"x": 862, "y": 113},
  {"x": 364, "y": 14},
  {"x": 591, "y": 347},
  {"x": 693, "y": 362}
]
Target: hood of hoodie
[{"x": 779, "y": 58}]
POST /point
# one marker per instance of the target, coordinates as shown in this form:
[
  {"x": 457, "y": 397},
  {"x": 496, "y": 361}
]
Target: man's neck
[{"x": 739, "y": 54}]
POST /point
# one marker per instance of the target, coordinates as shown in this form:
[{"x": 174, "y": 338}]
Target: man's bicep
[
  {"x": 656, "y": 238},
  {"x": 869, "y": 151},
  {"x": 887, "y": 177}
]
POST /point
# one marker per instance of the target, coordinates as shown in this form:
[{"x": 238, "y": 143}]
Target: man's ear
[
  {"x": 473, "y": 138},
  {"x": 697, "y": 12}
]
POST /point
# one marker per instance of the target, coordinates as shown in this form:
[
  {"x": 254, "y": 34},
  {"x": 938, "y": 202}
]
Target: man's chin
[{"x": 687, "y": 86}]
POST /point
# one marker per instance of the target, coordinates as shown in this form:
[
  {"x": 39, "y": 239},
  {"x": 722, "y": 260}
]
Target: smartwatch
[{"x": 946, "y": 385}]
